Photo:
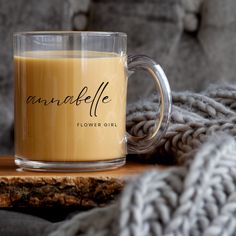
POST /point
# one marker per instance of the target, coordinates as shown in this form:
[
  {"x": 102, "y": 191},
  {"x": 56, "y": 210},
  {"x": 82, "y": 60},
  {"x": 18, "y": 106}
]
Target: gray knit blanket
[{"x": 197, "y": 196}]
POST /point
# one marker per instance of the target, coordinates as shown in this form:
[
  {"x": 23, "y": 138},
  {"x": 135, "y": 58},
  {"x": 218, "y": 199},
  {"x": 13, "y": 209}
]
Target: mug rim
[{"x": 85, "y": 33}]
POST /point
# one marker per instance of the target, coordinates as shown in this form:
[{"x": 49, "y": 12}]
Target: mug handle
[{"x": 146, "y": 143}]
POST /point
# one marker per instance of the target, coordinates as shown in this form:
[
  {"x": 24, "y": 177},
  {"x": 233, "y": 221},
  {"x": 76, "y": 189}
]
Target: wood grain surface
[{"x": 40, "y": 189}]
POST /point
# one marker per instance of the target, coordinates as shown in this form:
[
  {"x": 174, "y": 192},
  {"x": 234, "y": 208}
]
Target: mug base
[{"x": 90, "y": 166}]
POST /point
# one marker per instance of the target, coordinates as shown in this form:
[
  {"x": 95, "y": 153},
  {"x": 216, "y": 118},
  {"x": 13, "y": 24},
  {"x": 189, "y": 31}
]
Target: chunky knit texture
[
  {"x": 195, "y": 198},
  {"x": 194, "y": 118}
]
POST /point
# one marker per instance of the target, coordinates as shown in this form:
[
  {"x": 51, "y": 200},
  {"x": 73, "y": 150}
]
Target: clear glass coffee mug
[{"x": 70, "y": 101}]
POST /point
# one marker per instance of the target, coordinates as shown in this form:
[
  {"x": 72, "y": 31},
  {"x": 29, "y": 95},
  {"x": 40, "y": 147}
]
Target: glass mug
[{"x": 70, "y": 101}]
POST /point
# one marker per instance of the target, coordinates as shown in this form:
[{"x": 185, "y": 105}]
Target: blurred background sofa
[{"x": 194, "y": 40}]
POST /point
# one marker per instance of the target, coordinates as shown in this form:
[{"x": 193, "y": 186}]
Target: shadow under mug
[{"x": 70, "y": 101}]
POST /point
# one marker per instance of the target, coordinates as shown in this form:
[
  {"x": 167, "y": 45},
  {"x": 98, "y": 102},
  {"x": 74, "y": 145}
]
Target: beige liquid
[{"x": 51, "y": 125}]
